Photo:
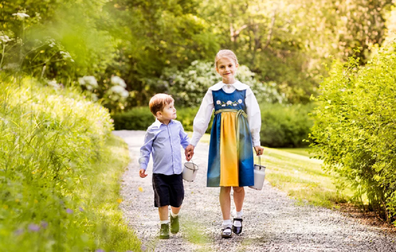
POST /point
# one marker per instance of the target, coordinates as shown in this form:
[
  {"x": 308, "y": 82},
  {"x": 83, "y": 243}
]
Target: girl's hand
[
  {"x": 259, "y": 150},
  {"x": 189, "y": 152},
  {"x": 142, "y": 173}
]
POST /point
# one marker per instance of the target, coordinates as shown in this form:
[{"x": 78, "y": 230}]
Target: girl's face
[
  {"x": 227, "y": 68},
  {"x": 167, "y": 114}
]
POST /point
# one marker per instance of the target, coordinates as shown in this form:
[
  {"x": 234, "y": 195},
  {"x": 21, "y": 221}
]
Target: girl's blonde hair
[{"x": 225, "y": 54}]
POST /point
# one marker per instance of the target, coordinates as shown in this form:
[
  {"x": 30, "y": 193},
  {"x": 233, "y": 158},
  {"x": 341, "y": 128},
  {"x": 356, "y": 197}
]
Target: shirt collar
[
  {"x": 158, "y": 124},
  {"x": 237, "y": 85}
]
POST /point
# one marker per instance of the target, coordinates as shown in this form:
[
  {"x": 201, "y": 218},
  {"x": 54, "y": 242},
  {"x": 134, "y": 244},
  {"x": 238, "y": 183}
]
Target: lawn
[{"x": 301, "y": 177}]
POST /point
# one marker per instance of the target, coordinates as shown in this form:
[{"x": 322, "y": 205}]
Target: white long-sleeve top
[{"x": 201, "y": 120}]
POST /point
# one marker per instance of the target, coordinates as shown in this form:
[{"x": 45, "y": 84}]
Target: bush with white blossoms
[
  {"x": 118, "y": 91},
  {"x": 89, "y": 82},
  {"x": 189, "y": 86}
]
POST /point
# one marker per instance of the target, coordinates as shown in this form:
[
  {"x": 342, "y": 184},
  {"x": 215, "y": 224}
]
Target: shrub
[
  {"x": 49, "y": 140},
  {"x": 355, "y": 130},
  {"x": 189, "y": 86},
  {"x": 140, "y": 118},
  {"x": 285, "y": 125}
]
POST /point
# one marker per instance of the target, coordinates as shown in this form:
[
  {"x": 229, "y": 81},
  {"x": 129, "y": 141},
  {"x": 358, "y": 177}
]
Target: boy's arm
[
  {"x": 145, "y": 152},
  {"x": 185, "y": 142}
]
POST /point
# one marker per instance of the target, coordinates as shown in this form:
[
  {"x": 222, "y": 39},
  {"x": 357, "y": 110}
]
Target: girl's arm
[
  {"x": 254, "y": 117},
  {"x": 201, "y": 120}
]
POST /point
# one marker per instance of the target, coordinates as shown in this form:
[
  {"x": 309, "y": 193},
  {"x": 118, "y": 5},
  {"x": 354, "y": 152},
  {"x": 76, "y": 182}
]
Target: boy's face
[
  {"x": 167, "y": 114},
  {"x": 227, "y": 68}
]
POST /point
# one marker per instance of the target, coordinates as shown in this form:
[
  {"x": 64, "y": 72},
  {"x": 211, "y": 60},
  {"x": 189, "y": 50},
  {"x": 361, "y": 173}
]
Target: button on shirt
[{"x": 164, "y": 142}]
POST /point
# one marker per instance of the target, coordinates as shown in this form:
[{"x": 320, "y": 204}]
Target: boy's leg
[
  {"x": 176, "y": 197},
  {"x": 225, "y": 204},
  {"x": 163, "y": 213}
]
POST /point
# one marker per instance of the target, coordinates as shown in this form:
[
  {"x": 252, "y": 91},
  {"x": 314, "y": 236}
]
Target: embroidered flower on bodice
[{"x": 229, "y": 103}]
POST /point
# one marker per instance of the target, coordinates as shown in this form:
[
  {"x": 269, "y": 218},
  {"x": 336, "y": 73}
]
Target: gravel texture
[{"x": 272, "y": 221}]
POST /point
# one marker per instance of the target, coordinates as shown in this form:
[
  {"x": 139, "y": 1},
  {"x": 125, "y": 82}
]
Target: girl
[{"x": 235, "y": 130}]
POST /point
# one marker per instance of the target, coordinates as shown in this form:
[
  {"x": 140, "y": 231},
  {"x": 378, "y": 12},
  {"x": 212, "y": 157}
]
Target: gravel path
[{"x": 272, "y": 222}]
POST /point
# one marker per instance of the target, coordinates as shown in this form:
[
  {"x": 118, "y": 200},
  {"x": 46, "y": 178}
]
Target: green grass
[
  {"x": 102, "y": 195},
  {"x": 301, "y": 177}
]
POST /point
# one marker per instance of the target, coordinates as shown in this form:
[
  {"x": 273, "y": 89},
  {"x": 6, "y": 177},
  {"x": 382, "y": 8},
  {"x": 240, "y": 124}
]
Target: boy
[{"x": 163, "y": 140}]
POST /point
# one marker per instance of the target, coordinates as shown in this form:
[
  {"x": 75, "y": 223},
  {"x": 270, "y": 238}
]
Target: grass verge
[
  {"x": 102, "y": 196},
  {"x": 294, "y": 172}
]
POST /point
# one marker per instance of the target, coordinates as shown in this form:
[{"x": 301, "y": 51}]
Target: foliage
[
  {"x": 51, "y": 139},
  {"x": 140, "y": 118},
  {"x": 354, "y": 131},
  {"x": 188, "y": 87},
  {"x": 285, "y": 125}
]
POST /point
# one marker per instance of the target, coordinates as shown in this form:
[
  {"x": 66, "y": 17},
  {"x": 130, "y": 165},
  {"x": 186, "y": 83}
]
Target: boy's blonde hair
[
  {"x": 158, "y": 102},
  {"x": 226, "y": 54}
]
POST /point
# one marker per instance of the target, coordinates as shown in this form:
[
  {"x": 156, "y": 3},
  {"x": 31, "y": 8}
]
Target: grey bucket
[
  {"x": 190, "y": 171},
  {"x": 259, "y": 176}
]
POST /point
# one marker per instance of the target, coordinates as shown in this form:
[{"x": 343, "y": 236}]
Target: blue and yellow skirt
[{"x": 231, "y": 150}]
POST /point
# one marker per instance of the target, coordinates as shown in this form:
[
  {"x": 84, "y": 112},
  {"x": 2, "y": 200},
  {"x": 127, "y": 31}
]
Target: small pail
[
  {"x": 190, "y": 171},
  {"x": 259, "y": 176}
]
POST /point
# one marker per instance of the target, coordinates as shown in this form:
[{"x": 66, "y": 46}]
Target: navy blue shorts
[{"x": 168, "y": 190}]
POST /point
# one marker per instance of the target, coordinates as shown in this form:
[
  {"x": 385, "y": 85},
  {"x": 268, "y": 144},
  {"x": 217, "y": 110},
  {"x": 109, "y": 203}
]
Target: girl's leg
[
  {"x": 239, "y": 197},
  {"x": 225, "y": 202}
]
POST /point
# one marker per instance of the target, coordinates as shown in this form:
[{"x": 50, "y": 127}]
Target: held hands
[
  {"x": 142, "y": 173},
  {"x": 259, "y": 150},
  {"x": 189, "y": 152}
]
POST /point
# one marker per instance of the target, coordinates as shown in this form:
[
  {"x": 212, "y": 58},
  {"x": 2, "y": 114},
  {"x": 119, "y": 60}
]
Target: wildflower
[
  {"x": 19, "y": 231},
  {"x": 5, "y": 39},
  {"x": 140, "y": 189},
  {"x": 119, "y": 201},
  {"x": 69, "y": 211},
  {"x": 81, "y": 209},
  {"x": 240, "y": 101},
  {"x": 118, "y": 81},
  {"x": 44, "y": 224},
  {"x": 53, "y": 84},
  {"x": 34, "y": 227},
  {"x": 100, "y": 250},
  {"x": 21, "y": 15}
]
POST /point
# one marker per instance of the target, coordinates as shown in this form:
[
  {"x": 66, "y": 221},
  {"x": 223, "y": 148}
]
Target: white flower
[
  {"x": 229, "y": 102},
  {"x": 118, "y": 81},
  {"x": 66, "y": 55},
  {"x": 117, "y": 89},
  {"x": 240, "y": 101},
  {"x": 223, "y": 105},
  {"x": 21, "y": 15},
  {"x": 88, "y": 81},
  {"x": 218, "y": 102},
  {"x": 235, "y": 104},
  {"x": 53, "y": 84},
  {"x": 5, "y": 39}
]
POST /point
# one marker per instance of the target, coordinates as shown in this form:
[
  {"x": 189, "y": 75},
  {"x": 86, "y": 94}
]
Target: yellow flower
[
  {"x": 140, "y": 188},
  {"x": 119, "y": 201}
]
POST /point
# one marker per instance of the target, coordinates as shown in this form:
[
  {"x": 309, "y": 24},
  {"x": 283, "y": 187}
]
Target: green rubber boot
[
  {"x": 174, "y": 223},
  {"x": 164, "y": 232}
]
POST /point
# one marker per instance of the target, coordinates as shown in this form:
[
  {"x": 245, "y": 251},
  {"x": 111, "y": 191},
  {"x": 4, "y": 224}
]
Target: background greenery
[{"x": 67, "y": 66}]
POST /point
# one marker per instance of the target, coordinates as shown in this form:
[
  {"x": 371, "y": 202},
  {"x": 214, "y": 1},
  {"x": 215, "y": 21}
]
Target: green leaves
[{"x": 354, "y": 131}]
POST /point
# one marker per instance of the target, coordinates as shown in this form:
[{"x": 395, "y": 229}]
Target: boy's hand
[
  {"x": 259, "y": 150},
  {"x": 142, "y": 173},
  {"x": 189, "y": 152}
]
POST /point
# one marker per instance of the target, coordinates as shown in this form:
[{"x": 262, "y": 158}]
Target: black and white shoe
[
  {"x": 237, "y": 226},
  {"x": 226, "y": 232}
]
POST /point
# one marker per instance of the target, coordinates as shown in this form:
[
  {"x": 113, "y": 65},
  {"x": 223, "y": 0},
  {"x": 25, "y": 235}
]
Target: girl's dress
[{"x": 231, "y": 148}]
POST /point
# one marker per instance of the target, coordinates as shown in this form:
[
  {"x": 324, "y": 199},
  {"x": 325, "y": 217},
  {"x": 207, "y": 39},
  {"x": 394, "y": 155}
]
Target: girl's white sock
[
  {"x": 164, "y": 221},
  {"x": 227, "y": 223},
  {"x": 173, "y": 214},
  {"x": 239, "y": 214}
]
